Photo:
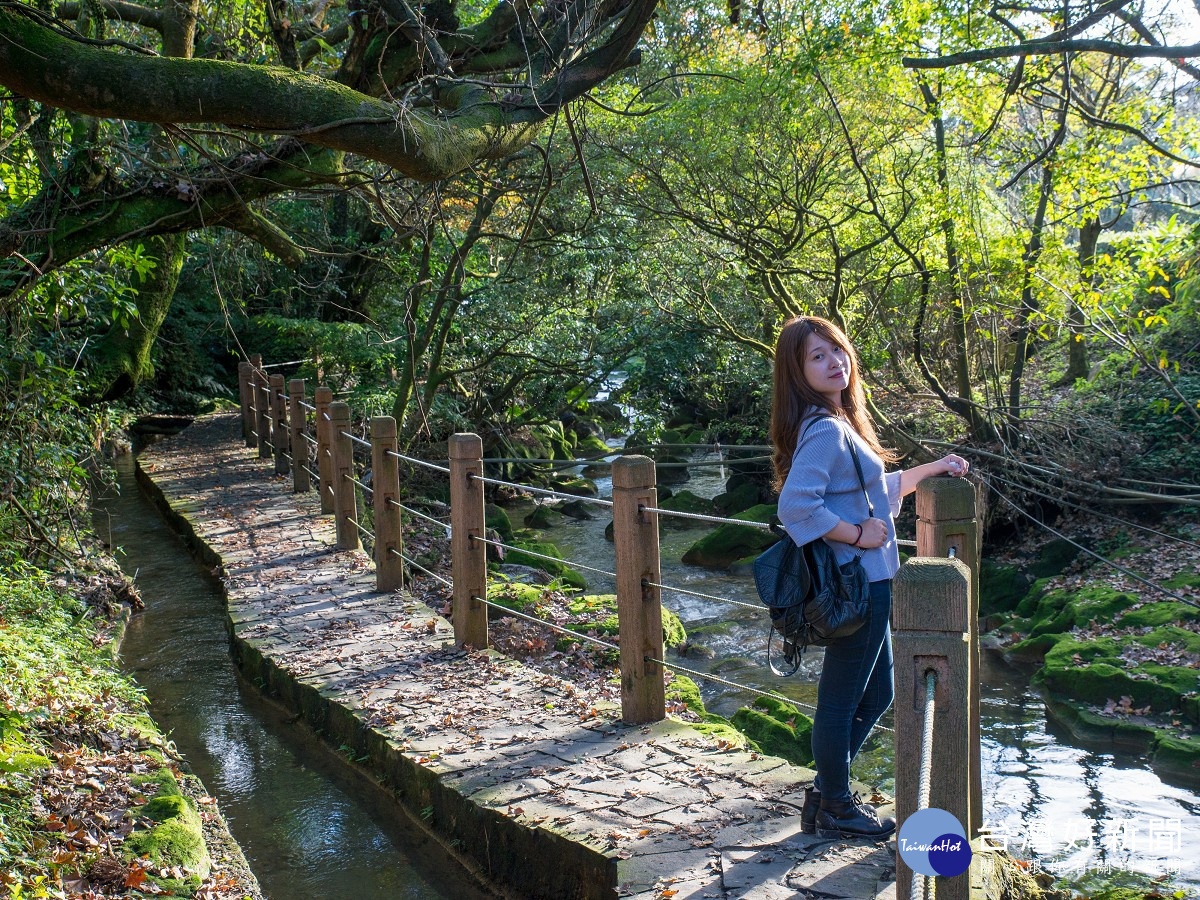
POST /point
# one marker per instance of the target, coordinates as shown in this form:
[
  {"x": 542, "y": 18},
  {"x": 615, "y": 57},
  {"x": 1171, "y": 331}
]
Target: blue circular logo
[{"x": 933, "y": 842}]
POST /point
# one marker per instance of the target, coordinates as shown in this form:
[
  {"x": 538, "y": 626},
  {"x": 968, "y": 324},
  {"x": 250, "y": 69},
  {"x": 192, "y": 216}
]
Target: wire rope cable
[
  {"x": 355, "y": 438},
  {"x": 700, "y": 517},
  {"x": 757, "y": 607},
  {"x": 1108, "y": 562},
  {"x": 550, "y": 625},
  {"x": 418, "y": 462},
  {"x": 565, "y": 562},
  {"x": 1092, "y": 512},
  {"x": 363, "y": 531},
  {"x": 365, "y": 487},
  {"x": 548, "y": 493},
  {"x": 419, "y": 567},
  {"x": 925, "y": 775},
  {"x": 308, "y": 406},
  {"x": 419, "y": 515}
]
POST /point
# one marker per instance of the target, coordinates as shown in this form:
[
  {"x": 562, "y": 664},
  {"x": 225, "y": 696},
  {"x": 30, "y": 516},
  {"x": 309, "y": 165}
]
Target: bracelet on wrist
[{"x": 859, "y": 538}]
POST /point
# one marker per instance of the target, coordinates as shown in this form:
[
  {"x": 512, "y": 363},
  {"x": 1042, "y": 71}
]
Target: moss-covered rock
[
  {"x": 683, "y": 691},
  {"x": 579, "y": 487},
  {"x": 542, "y": 516},
  {"x": 737, "y": 499},
  {"x": 498, "y": 521},
  {"x": 554, "y": 566},
  {"x": 728, "y": 543},
  {"x": 1054, "y": 558},
  {"x": 1153, "y": 615},
  {"x": 683, "y": 501},
  {"x": 778, "y": 728},
  {"x": 601, "y": 609},
  {"x": 1097, "y": 670},
  {"x": 1001, "y": 587}
]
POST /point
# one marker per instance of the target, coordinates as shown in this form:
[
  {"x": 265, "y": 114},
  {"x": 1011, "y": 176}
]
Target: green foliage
[{"x": 46, "y": 441}]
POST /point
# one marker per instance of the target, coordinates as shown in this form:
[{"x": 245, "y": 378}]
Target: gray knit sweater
[{"x": 822, "y": 487}]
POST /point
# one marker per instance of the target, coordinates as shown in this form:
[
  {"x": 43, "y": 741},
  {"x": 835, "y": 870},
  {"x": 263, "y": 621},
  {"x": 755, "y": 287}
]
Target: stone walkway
[{"x": 544, "y": 794}]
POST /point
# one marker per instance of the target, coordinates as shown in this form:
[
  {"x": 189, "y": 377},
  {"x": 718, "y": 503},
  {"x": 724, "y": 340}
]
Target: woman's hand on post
[{"x": 952, "y": 464}]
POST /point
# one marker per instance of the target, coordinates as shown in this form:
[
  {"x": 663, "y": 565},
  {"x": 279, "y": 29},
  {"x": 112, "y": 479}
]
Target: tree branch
[{"x": 1043, "y": 47}]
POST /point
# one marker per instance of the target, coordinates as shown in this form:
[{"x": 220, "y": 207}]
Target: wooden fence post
[
  {"x": 385, "y": 493},
  {"x": 280, "y": 436},
  {"x": 245, "y": 376},
  {"x": 931, "y": 631},
  {"x": 639, "y": 609},
  {"x": 298, "y": 425},
  {"x": 255, "y": 369},
  {"x": 345, "y": 496},
  {"x": 262, "y": 406},
  {"x": 322, "y": 399},
  {"x": 467, "y": 521},
  {"x": 947, "y": 518}
]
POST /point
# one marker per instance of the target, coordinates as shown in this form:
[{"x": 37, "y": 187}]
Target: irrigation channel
[
  {"x": 1069, "y": 807},
  {"x": 309, "y": 828}
]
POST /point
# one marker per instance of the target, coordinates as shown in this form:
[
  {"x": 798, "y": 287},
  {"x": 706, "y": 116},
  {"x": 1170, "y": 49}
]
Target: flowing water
[
  {"x": 1069, "y": 807},
  {"x": 310, "y": 829}
]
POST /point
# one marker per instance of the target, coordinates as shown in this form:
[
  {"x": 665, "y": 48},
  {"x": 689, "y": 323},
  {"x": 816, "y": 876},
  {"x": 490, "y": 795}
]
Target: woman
[{"x": 819, "y": 409}]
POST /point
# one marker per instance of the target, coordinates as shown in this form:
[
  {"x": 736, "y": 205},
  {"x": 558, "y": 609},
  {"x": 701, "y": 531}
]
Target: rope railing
[
  {"x": 566, "y": 562},
  {"x": 551, "y": 625},
  {"x": 419, "y": 514},
  {"x": 365, "y": 487},
  {"x": 543, "y": 491},
  {"x": 925, "y": 775},
  {"x": 418, "y": 462},
  {"x": 701, "y": 517},
  {"x": 757, "y": 607},
  {"x": 416, "y": 565}
]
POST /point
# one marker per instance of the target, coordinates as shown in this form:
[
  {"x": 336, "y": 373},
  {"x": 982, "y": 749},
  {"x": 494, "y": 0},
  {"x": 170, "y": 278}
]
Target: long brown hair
[{"x": 793, "y": 395}]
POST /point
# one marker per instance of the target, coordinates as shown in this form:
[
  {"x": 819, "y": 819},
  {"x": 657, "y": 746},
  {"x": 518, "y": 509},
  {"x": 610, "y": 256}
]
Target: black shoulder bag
[{"x": 812, "y": 600}]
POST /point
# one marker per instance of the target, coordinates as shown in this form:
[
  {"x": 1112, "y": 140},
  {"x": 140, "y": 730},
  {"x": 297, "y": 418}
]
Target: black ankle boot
[
  {"x": 851, "y": 819},
  {"x": 808, "y": 812}
]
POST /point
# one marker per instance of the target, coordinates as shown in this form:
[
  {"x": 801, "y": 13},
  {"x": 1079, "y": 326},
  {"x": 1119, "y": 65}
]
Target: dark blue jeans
[{"x": 854, "y": 691}]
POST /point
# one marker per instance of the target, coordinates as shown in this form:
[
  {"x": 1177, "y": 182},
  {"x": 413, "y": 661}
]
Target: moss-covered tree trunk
[{"x": 123, "y": 356}]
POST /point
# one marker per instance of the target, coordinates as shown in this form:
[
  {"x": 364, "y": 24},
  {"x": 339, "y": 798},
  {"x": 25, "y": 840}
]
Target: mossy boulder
[
  {"x": 1054, "y": 558},
  {"x": 671, "y": 468},
  {"x": 1153, "y": 615},
  {"x": 498, "y": 521},
  {"x": 1001, "y": 587},
  {"x": 727, "y": 544},
  {"x": 682, "y": 691},
  {"x": 542, "y": 516},
  {"x": 1059, "y": 610},
  {"x": 591, "y": 445},
  {"x": 602, "y": 610},
  {"x": 577, "y": 509},
  {"x": 778, "y": 728},
  {"x": 514, "y": 595},
  {"x": 1097, "y": 670},
  {"x": 579, "y": 487},
  {"x": 736, "y": 499},
  {"x": 683, "y": 501},
  {"x": 552, "y": 566}
]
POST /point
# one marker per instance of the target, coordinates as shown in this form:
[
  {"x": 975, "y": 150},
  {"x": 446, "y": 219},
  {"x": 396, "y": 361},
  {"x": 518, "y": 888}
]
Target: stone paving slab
[{"x": 471, "y": 740}]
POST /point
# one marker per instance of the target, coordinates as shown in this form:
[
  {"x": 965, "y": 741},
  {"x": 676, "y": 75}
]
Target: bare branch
[{"x": 1043, "y": 47}]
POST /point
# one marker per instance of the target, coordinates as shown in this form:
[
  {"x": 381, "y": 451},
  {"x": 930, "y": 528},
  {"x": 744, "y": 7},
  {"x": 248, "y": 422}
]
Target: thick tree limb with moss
[
  {"x": 57, "y": 226},
  {"x": 466, "y": 121}
]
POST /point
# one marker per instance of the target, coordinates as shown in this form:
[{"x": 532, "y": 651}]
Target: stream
[
  {"x": 1071, "y": 808},
  {"x": 310, "y": 827}
]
